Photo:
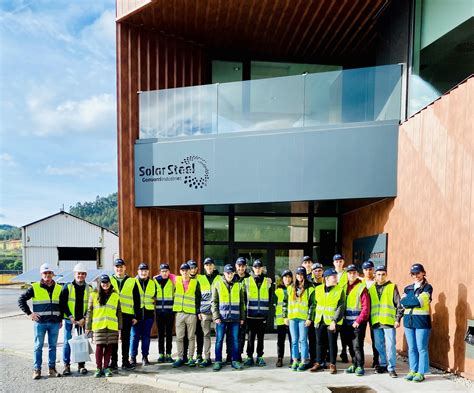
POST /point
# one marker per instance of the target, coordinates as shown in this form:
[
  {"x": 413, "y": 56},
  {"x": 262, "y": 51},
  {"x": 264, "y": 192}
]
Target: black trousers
[
  {"x": 322, "y": 332},
  {"x": 312, "y": 342},
  {"x": 282, "y": 332},
  {"x": 374, "y": 350},
  {"x": 165, "y": 323},
  {"x": 354, "y": 337},
  {"x": 257, "y": 328},
  {"x": 228, "y": 341},
  {"x": 125, "y": 337}
]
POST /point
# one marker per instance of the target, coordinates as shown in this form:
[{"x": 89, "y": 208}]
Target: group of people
[{"x": 312, "y": 307}]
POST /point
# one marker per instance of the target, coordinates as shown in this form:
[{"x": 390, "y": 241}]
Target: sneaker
[
  {"x": 248, "y": 362},
  {"x": 217, "y": 366},
  {"x": 304, "y": 366},
  {"x": 82, "y": 370},
  {"x": 410, "y": 376},
  {"x": 145, "y": 361},
  {"x": 133, "y": 361},
  {"x": 316, "y": 367},
  {"x": 295, "y": 365},
  {"x": 191, "y": 363},
  {"x": 169, "y": 359},
  {"x": 332, "y": 368},
  {"x": 108, "y": 372},
  {"x": 380, "y": 369},
  {"x": 36, "y": 373},
  {"x": 228, "y": 359},
  {"x": 98, "y": 373},
  {"x": 178, "y": 363},
  {"x": 113, "y": 366},
  {"x": 344, "y": 358},
  {"x": 418, "y": 377},
  {"x": 279, "y": 362},
  {"x": 53, "y": 373},
  {"x": 205, "y": 363},
  {"x": 67, "y": 369},
  {"x": 359, "y": 371},
  {"x": 350, "y": 369},
  {"x": 393, "y": 374},
  {"x": 161, "y": 358},
  {"x": 199, "y": 360},
  {"x": 237, "y": 365},
  {"x": 128, "y": 365},
  {"x": 261, "y": 362}
]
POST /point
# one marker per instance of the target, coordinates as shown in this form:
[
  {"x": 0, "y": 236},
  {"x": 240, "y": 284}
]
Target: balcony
[{"x": 332, "y": 98}]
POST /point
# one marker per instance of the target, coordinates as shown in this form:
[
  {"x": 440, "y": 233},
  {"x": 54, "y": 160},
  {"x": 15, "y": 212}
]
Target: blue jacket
[{"x": 416, "y": 321}]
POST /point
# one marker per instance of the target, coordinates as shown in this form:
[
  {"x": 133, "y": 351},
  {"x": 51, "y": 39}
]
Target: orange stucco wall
[{"x": 432, "y": 220}]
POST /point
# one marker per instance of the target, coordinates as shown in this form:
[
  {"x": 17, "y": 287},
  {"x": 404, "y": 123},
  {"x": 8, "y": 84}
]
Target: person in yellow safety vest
[
  {"x": 298, "y": 314},
  {"x": 307, "y": 262},
  {"x": 104, "y": 319},
  {"x": 46, "y": 317},
  {"x": 257, "y": 291},
  {"x": 368, "y": 269},
  {"x": 142, "y": 329},
  {"x": 194, "y": 273},
  {"x": 338, "y": 262},
  {"x": 416, "y": 300},
  {"x": 186, "y": 304},
  {"x": 356, "y": 317},
  {"x": 207, "y": 281},
  {"x": 329, "y": 301},
  {"x": 280, "y": 301},
  {"x": 73, "y": 300},
  {"x": 165, "y": 284},
  {"x": 385, "y": 314},
  {"x": 130, "y": 302},
  {"x": 228, "y": 312},
  {"x": 317, "y": 274}
]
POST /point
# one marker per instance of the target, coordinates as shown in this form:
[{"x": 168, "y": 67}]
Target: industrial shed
[{"x": 63, "y": 240}]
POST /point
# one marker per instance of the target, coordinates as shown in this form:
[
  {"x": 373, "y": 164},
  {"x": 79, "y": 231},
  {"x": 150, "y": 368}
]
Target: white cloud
[
  {"x": 96, "y": 113},
  {"x": 88, "y": 169},
  {"x": 99, "y": 37},
  {"x": 7, "y": 160}
]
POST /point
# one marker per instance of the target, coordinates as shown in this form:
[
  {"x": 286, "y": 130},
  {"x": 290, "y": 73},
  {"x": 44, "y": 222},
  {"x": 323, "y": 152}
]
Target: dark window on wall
[{"x": 77, "y": 253}]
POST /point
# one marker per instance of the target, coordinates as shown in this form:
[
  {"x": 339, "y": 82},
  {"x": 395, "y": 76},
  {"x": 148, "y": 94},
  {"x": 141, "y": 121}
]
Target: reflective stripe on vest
[
  {"x": 257, "y": 298},
  {"x": 164, "y": 297},
  {"x": 382, "y": 310},
  {"x": 147, "y": 297},
  {"x": 353, "y": 304},
  {"x": 424, "y": 309},
  {"x": 71, "y": 301},
  {"x": 126, "y": 294},
  {"x": 326, "y": 304},
  {"x": 229, "y": 303},
  {"x": 105, "y": 317},
  {"x": 280, "y": 294},
  {"x": 185, "y": 301},
  {"x": 43, "y": 304},
  {"x": 298, "y": 307},
  {"x": 206, "y": 292}
]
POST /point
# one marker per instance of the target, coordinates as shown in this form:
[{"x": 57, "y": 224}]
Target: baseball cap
[
  {"x": 257, "y": 263},
  {"x": 104, "y": 278},
  {"x": 164, "y": 266},
  {"x": 192, "y": 264},
  {"x": 241, "y": 261},
  {"x": 417, "y": 268},
  {"x": 336, "y": 257},
  {"x": 368, "y": 265},
  {"x": 143, "y": 266},
  {"x": 229, "y": 268},
  {"x": 316, "y": 265},
  {"x": 306, "y": 258},
  {"x": 119, "y": 262},
  {"x": 381, "y": 268},
  {"x": 351, "y": 268},
  {"x": 46, "y": 267},
  {"x": 301, "y": 270},
  {"x": 286, "y": 273},
  {"x": 184, "y": 266},
  {"x": 208, "y": 261},
  {"x": 329, "y": 272}
]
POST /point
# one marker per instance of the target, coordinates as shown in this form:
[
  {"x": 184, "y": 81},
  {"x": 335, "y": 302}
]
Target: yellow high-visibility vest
[
  {"x": 71, "y": 301},
  {"x": 229, "y": 303},
  {"x": 326, "y": 304},
  {"x": 44, "y": 305},
  {"x": 298, "y": 307},
  {"x": 185, "y": 301},
  {"x": 126, "y": 294},
  {"x": 147, "y": 296},
  {"x": 382, "y": 310},
  {"x": 105, "y": 317}
]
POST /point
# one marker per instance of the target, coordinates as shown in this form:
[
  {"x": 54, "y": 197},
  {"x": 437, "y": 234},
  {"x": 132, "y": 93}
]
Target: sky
[{"x": 57, "y": 106}]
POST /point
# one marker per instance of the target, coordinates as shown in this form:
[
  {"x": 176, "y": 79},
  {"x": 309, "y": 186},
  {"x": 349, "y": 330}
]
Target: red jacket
[{"x": 364, "y": 302}]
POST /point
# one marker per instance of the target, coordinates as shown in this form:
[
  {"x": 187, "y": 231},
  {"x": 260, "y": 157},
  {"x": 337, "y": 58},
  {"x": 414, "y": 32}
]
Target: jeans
[
  {"x": 40, "y": 329},
  {"x": 141, "y": 330},
  {"x": 418, "y": 356},
  {"x": 67, "y": 336},
  {"x": 232, "y": 331},
  {"x": 385, "y": 342},
  {"x": 299, "y": 340}
]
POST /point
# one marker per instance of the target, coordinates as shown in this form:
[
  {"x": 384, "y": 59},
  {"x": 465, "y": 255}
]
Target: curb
[{"x": 161, "y": 383}]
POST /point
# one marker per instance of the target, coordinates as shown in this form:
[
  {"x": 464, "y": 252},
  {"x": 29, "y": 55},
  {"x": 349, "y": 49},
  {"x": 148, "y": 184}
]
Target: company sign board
[
  {"x": 370, "y": 247},
  {"x": 253, "y": 167}
]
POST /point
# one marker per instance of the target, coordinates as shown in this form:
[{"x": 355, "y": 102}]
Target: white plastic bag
[{"x": 79, "y": 348}]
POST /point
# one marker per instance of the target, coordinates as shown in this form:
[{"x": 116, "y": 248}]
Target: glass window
[
  {"x": 226, "y": 71},
  {"x": 216, "y": 208},
  {"x": 325, "y": 229},
  {"x": 265, "y": 69},
  {"x": 280, "y": 207},
  {"x": 442, "y": 49},
  {"x": 271, "y": 229},
  {"x": 220, "y": 254},
  {"x": 287, "y": 259},
  {"x": 216, "y": 228}
]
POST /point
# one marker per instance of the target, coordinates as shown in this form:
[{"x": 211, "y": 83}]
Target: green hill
[
  {"x": 9, "y": 232},
  {"x": 102, "y": 211}
]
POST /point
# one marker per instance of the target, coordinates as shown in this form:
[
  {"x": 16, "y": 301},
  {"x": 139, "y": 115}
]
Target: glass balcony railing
[{"x": 308, "y": 100}]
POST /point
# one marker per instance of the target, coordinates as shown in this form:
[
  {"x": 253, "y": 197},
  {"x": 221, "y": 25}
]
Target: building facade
[{"x": 279, "y": 129}]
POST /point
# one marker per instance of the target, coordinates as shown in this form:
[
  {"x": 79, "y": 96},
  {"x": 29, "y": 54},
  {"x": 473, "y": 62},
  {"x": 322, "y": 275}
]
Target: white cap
[
  {"x": 80, "y": 267},
  {"x": 45, "y": 267}
]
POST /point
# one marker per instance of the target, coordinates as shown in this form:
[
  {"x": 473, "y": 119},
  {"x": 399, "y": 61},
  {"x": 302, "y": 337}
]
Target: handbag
[{"x": 79, "y": 345}]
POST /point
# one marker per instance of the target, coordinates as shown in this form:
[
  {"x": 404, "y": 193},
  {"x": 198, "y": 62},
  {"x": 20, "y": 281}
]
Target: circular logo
[{"x": 200, "y": 176}]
